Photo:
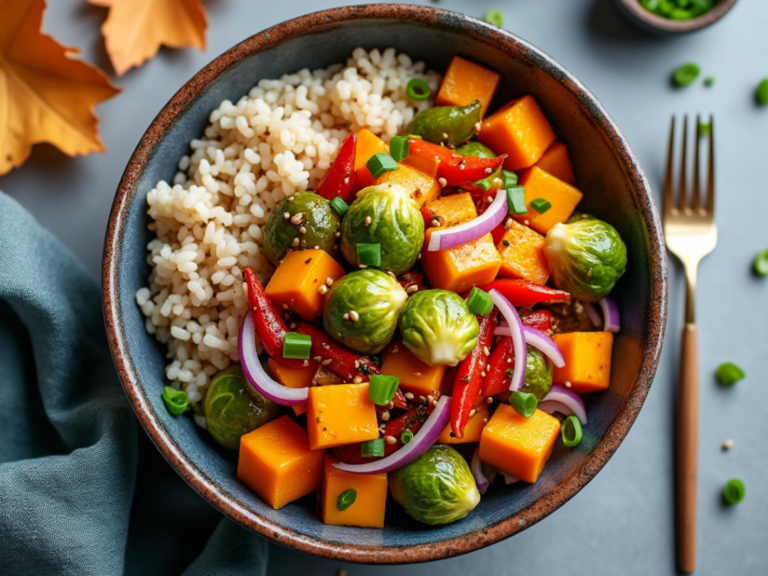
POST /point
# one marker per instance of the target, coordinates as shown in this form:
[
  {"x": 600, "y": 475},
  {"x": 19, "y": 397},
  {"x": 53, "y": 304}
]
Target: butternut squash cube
[
  {"x": 340, "y": 414},
  {"x": 465, "y": 82},
  {"x": 522, "y": 254},
  {"x": 587, "y": 360},
  {"x": 459, "y": 269},
  {"x": 297, "y": 280},
  {"x": 557, "y": 162},
  {"x": 520, "y": 130},
  {"x": 423, "y": 164},
  {"x": 473, "y": 430},
  {"x": 294, "y": 378},
  {"x": 421, "y": 187},
  {"x": 367, "y": 511},
  {"x": 367, "y": 145},
  {"x": 277, "y": 463},
  {"x": 415, "y": 376},
  {"x": 453, "y": 210},
  {"x": 563, "y": 197},
  {"x": 518, "y": 445}
]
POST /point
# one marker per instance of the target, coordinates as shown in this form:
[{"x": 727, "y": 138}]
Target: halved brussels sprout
[
  {"x": 436, "y": 488},
  {"x": 361, "y": 310},
  {"x": 586, "y": 258},
  {"x": 538, "y": 374},
  {"x": 438, "y": 328}
]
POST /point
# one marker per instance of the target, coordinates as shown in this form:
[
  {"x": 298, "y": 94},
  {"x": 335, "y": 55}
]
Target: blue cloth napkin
[{"x": 82, "y": 491}]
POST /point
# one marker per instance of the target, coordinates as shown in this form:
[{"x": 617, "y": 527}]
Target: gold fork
[{"x": 690, "y": 232}]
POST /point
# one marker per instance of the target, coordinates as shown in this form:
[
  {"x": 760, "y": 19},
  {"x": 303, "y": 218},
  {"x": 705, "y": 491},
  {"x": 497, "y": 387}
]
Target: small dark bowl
[
  {"x": 607, "y": 170},
  {"x": 661, "y": 26}
]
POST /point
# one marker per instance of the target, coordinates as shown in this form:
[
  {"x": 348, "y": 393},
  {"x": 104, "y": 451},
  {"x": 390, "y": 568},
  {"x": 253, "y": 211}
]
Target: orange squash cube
[
  {"x": 277, "y": 463},
  {"x": 459, "y": 269},
  {"x": 294, "y": 378},
  {"x": 563, "y": 197},
  {"x": 465, "y": 82},
  {"x": 557, "y": 162},
  {"x": 519, "y": 130},
  {"x": 522, "y": 254},
  {"x": 518, "y": 445},
  {"x": 297, "y": 280},
  {"x": 367, "y": 511},
  {"x": 473, "y": 430},
  {"x": 421, "y": 187},
  {"x": 423, "y": 164},
  {"x": 367, "y": 145},
  {"x": 340, "y": 414},
  {"x": 453, "y": 209},
  {"x": 415, "y": 376},
  {"x": 587, "y": 360}
]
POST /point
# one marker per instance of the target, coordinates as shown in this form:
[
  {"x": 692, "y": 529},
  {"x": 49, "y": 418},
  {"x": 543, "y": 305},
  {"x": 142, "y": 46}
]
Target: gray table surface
[{"x": 622, "y": 522}]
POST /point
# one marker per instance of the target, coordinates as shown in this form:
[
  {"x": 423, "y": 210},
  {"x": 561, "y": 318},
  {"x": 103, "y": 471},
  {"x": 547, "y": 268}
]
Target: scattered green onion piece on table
[
  {"x": 406, "y": 436},
  {"x": 686, "y": 74},
  {"x": 761, "y": 263},
  {"x": 495, "y": 17},
  {"x": 382, "y": 388},
  {"x": 516, "y": 200},
  {"x": 339, "y": 205},
  {"x": 297, "y": 346},
  {"x": 372, "y": 448},
  {"x": 728, "y": 373},
  {"x": 734, "y": 491},
  {"x": 571, "y": 431},
  {"x": 346, "y": 499},
  {"x": 368, "y": 254},
  {"x": 762, "y": 92},
  {"x": 524, "y": 403},
  {"x": 510, "y": 179},
  {"x": 417, "y": 89},
  {"x": 705, "y": 128},
  {"x": 381, "y": 163},
  {"x": 175, "y": 400},
  {"x": 709, "y": 81},
  {"x": 479, "y": 301},
  {"x": 541, "y": 205},
  {"x": 398, "y": 148}
]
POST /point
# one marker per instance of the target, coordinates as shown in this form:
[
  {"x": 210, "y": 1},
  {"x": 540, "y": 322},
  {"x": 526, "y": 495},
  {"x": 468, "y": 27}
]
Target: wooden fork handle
[{"x": 687, "y": 451}]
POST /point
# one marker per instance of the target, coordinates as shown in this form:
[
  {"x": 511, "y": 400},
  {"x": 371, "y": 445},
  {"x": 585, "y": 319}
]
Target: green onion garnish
[
  {"x": 524, "y": 403},
  {"x": 296, "y": 346},
  {"x": 484, "y": 184},
  {"x": 381, "y": 388},
  {"x": 479, "y": 301},
  {"x": 709, "y": 81},
  {"x": 398, "y": 148},
  {"x": 368, "y": 254},
  {"x": 417, "y": 89},
  {"x": 372, "y": 448},
  {"x": 541, "y": 205},
  {"x": 406, "y": 436},
  {"x": 175, "y": 400},
  {"x": 728, "y": 373},
  {"x": 495, "y": 17},
  {"x": 686, "y": 74},
  {"x": 381, "y": 163},
  {"x": 734, "y": 491},
  {"x": 510, "y": 179},
  {"x": 346, "y": 499},
  {"x": 761, "y": 263},
  {"x": 339, "y": 205},
  {"x": 762, "y": 92},
  {"x": 516, "y": 200},
  {"x": 571, "y": 431}
]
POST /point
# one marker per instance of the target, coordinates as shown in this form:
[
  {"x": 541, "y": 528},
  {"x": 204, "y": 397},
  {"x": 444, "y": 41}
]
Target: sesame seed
[
  {"x": 385, "y": 416},
  {"x": 291, "y": 198},
  {"x": 363, "y": 266},
  {"x": 338, "y": 234},
  {"x": 409, "y": 396},
  {"x": 346, "y": 316},
  {"x": 485, "y": 420},
  {"x": 327, "y": 361},
  {"x": 302, "y": 230},
  {"x": 489, "y": 199},
  {"x": 422, "y": 399},
  {"x": 435, "y": 222},
  {"x": 367, "y": 221},
  {"x": 412, "y": 288},
  {"x": 285, "y": 306},
  {"x": 286, "y": 215},
  {"x": 486, "y": 351},
  {"x": 357, "y": 380},
  {"x": 478, "y": 126},
  {"x": 567, "y": 384},
  {"x": 419, "y": 256},
  {"x": 728, "y": 444},
  {"x": 323, "y": 289},
  {"x": 391, "y": 274},
  {"x": 445, "y": 135},
  {"x": 318, "y": 358},
  {"x": 490, "y": 400},
  {"x": 489, "y": 170},
  {"x": 472, "y": 412},
  {"x": 418, "y": 374},
  {"x": 508, "y": 224},
  {"x": 430, "y": 398},
  {"x": 442, "y": 181},
  {"x": 487, "y": 367},
  {"x": 354, "y": 316},
  {"x": 483, "y": 374},
  {"x": 329, "y": 281},
  {"x": 292, "y": 326},
  {"x": 295, "y": 242},
  {"x": 346, "y": 180},
  {"x": 390, "y": 440},
  {"x": 318, "y": 247},
  {"x": 297, "y": 218}
]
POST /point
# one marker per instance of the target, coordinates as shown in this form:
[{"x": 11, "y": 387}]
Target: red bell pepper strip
[
  {"x": 526, "y": 293},
  {"x": 269, "y": 325},
  {"x": 339, "y": 179},
  {"x": 469, "y": 379},
  {"x": 413, "y": 278},
  {"x": 539, "y": 319},
  {"x": 456, "y": 168}
]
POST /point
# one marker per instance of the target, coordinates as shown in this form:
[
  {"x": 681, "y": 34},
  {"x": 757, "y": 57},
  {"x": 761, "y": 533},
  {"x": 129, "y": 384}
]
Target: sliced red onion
[
  {"x": 566, "y": 401},
  {"x": 509, "y": 479},
  {"x": 516, "y": 332},
  {"x": 476, "y": 466},
  {"x": 420, "y": 443},
  {"x": 538, "y": 340},
  {"x": 610, "y": 314},
  {"x": 254, "y": 371},
  {"x": 594, "y": 317},
  {"x": 472, "y": 230}
]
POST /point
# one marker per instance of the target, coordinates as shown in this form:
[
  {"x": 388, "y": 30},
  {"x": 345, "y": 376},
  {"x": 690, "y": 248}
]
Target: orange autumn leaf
[
  {"x": 135, "y": 29},
  {"x": 45, "y": 94}
]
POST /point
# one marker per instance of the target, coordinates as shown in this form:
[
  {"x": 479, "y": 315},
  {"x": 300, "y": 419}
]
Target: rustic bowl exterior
[
  {"x": 615, "y": 189},
  {"x": 660, "y": 26}
]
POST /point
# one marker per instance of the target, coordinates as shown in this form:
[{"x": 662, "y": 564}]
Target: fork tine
[
  {"x": 667, "y": 200},
  {"x": 696, "y": 201},
  {"x": 711, "y": 170},
  {"x": 682, "y": 190}
]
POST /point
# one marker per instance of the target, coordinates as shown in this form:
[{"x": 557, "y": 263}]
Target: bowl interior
[{"x": 614, "y": 188}]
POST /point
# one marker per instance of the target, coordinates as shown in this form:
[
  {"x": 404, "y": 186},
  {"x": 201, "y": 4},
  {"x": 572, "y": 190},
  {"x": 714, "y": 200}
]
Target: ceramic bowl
[
  {"x": 615, "y": 189},
  {"x": 661, "y": 26}
]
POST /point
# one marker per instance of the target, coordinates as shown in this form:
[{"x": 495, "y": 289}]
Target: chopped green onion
[
  {"x": 176, "y": 401},
  {"x": 510, "y": 179},
  {"x": 709, "y": 81},
  {"x": 381, "y": 163},
  {"x": 484, "y": 184},
  {"x": 368, "y": 254},
  {"x": 516, "y": 200},
  {"x": 406, "y": 436},
  {"x": 346, "y": 499},
  {"x": 495, "y": 17},
  {"x": 372, "y": 448},
  {"x": 524, "y": 403},
  {"x": 728, "y": 373},
  {"x": 734, "y": 491},
  {"x": 541, "y": 205},
  {"x": 417, "y": 89},
  {"x": 686, "y": 74},
  {"x": 479, "y": 301},
  {"x": 297, "y": 346},
  {"x": 571, "y": 431},
  {"x": 761, "y": 263},
  {"x": 762, "y": 92},
  {"x": 339, "y": 205},
  {"x": 381, "y": 388},
  {"x": 398, "y": 148}
]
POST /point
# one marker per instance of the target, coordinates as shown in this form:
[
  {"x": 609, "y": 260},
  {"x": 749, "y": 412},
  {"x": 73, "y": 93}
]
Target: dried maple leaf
[
  {"x": 45, "y": 94},
  {"x": 135, "y": 29}
]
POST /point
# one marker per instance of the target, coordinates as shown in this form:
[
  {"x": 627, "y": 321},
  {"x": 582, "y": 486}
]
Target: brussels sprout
[
  {"x": 449, "y": 124},
  {"x": 586, "y": 258},
  {"x": 318, "y": 221},
  {"x": 361, "y": 310},
  {"x": 393, "y": 221},
  {"x": 437, "y": 487},
  {"x": 538, "y": 374},
  {"x": 438, "y": 328},
  {"x": 233, "y": 408}
]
